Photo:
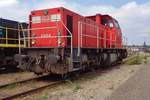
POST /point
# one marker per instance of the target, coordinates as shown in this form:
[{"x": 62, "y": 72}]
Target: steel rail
[
  {"x": 31, "y": 91},
  {"x": 22, "y": 81}
]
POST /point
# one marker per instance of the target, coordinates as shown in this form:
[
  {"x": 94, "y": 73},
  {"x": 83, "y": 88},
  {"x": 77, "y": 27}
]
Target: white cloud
[
  {"x": 133, "y": 18},
  {"x": 4, "y": 3},
  {"x": 13, "y": 9}
]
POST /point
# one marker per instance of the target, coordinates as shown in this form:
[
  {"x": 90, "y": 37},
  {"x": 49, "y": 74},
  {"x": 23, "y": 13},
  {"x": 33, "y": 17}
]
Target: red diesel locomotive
[{"x": 61, "y": 41}]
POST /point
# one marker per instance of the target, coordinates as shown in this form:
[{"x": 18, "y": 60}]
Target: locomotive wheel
[
  {"x": 102, "y": 60},
  {"x": 97, "y": 62},
  {"x": 119, "y": 61},
  {"x": 65, "y": 76},
  {"x": 107, "y": 61}
]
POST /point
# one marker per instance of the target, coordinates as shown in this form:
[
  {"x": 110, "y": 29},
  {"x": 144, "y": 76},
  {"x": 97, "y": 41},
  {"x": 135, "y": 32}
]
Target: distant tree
[
  {"x": 144, "y": 44},
  {"x": 133, "y": 45}
]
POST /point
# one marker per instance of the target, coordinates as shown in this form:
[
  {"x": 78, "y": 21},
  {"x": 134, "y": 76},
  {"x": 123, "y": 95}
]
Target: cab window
[
  {"x": 110, "y": 24},
  {"x": 36, "y": 19},
  {"x": 55, "y": 17},
  {"x": 116, "y": 24},
  {"x": 103, "y": 21},
  {"x": 107, "y": 22}
]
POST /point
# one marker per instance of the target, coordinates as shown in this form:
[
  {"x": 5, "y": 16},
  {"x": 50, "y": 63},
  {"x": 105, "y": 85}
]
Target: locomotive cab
[
  {"x": 49, "y": 24},
  {"x": 49, "y": 34}
]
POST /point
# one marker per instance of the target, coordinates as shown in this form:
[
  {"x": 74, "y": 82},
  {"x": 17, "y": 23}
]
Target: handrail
[
  {"x": 8, "y": 39},
  {"x": 23, "y": 35},
  {"x": 5, "y": 38},
  {"x": 97, "y": 36},
  {"x": 43, "y": 37},
  {"x": 80, "y": 34},
  {"x": 42, "y": 28},
  {"x": 79, "y": 30},
  {"x": 71, "y": 43},
  {"x": 9, "y": 28}
]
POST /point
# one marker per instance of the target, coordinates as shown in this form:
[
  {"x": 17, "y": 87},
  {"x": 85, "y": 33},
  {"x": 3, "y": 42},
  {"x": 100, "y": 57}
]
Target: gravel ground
[
  {"x": 95, "y": 85},
  {"x": 136, "y": 88},
  {"x": 16, "y": 76}
]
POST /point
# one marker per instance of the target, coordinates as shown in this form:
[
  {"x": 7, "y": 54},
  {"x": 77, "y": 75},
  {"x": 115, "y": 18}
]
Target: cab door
[{"x": 70, "y": 27}]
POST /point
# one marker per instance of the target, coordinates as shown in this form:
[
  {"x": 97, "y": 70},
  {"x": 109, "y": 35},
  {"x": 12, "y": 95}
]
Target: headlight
[
  {"x": 59, "y": 41},
  {"x": 33, "y": 42}
]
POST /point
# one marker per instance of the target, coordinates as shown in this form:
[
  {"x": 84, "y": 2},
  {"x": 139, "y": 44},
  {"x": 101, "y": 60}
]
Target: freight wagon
[
  {"x": 10, "y": 31},
  {"x": 61, "y": 41}
]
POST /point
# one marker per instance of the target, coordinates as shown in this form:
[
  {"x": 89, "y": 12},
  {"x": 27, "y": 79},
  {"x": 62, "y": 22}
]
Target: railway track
[
  {"x": 25, "y": 87},
  {"x": 20, "y": 82},
  {"x": 31, "y": 91}
]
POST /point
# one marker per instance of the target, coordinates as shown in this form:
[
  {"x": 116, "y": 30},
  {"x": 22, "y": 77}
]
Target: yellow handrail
[
  {"x": 9, "y": 39},
  {"x": 7, "y": 42},
  {"x": 23, "y": 35}
]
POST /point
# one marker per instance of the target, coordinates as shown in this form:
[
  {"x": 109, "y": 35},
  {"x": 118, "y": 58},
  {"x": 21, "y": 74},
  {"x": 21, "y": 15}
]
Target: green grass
[
  {"x": 12, "y": 86},
  {"x": 43, "y": 97},
  {"x": 32, "y": 83},
  {"x": 137, "y": 59},
  {"x": 76, "y": 86}
]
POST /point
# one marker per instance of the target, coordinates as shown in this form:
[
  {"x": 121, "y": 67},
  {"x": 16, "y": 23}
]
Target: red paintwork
[{"x": 87, "y": 42}]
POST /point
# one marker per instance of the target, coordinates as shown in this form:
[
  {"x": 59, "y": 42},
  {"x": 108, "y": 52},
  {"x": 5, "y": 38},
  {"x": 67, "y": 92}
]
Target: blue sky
[
  {"x": 116, "y": 3},
  {"x": 133, "y": 15}
]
